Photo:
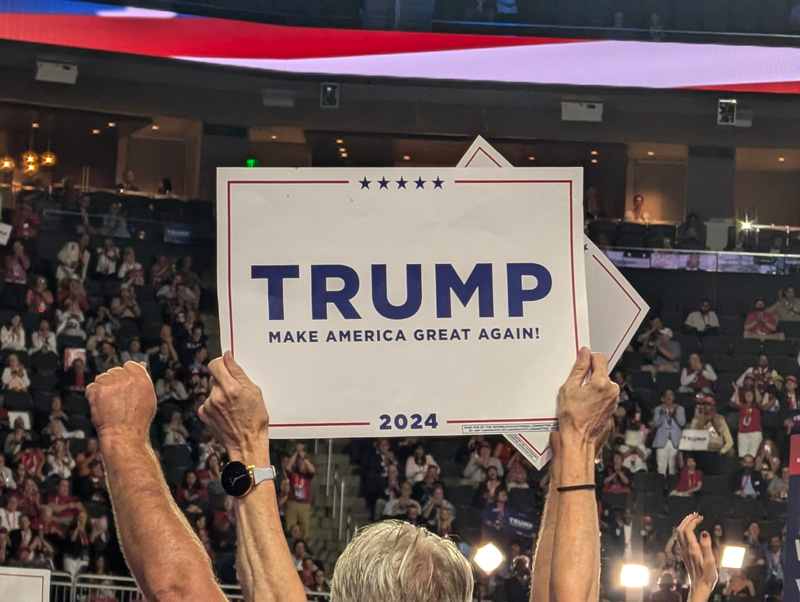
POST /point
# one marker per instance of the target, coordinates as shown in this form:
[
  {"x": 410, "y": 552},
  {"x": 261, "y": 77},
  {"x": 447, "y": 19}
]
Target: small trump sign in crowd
[{"x": 408, "y": 301}]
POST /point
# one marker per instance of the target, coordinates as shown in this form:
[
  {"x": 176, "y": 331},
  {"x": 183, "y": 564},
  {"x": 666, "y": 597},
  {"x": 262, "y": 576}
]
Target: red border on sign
[
  {"x": 39, "y": 577},
  {"x": 332, "y": 182}
]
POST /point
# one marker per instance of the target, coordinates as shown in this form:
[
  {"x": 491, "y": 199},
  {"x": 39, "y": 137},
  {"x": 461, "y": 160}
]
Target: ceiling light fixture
[
  {"x": 95, "y": 131},
  {"x": 339, "y": 141},
  {"x": 594, "y": 153},
  {"x": 154, "y": 126},
  {"x": 781, "y": 159},
  {"x": 650, "y": 153},
  {"x": 406, "y": 157},
  {"x": 112, "y": 124}
]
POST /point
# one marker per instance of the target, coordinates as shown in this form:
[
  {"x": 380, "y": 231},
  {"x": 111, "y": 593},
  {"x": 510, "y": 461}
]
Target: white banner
[
  {"x": 403, "y": 301},
  {"x": 694, "y": 440},
  {"x": 615, "y": 309},
  {"x": 24, "y": 585}
]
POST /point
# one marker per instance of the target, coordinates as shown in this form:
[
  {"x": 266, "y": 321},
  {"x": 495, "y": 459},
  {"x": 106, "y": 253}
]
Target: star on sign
[
  {"x": 365, "y": 183},
  {"x": 384, "y": 183},
  {"x": 437, "y": 183},
  {"x": 401, "y": 183},
  {"x": 420, "y": 183}
]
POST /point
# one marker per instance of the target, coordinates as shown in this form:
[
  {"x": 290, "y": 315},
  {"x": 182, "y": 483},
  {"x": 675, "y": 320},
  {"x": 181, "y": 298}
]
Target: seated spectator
[
  {"x": 387, "y": 491},
  {"x": 320, "y": 583},
  {"x": 100, "y": 336},
  {"x": 12, "y": 335},
  {"x": 691, "y": 240},
  {"x": 633, "y": 449},
  {"x": 398, "y": 507},
  {"x": 64, "y": 505},
  {"x": 177, "y": 298},
  {"x": 30, "y": 498},
  {"x": 697, "y": 377},
  {"x": 15, "y": 377},
  {"x": 495, "y": 518},
  {"x": 488, "y": 489},
  {"x": 191, "y": 341},
  {"x": 73, "y": 260},
  {"x": 93, "y": 486},
  {"x": 57, "y": 415},
  {"x": 668, "y": 419},
  {"x": 164, "y": 357},
  {"x": 17, "y": 265},
  {"x": 128, "y": 182},
  {"x": 86, "y": 457},
  {"x": 479, "y": 463},
  {"x": 6, "y": 476},
  {"x": 190, "y": 278},
  {"x": 162, "y": 271},
  {"x": 739, "y": 586},
  {"x": 174, "y": 431},
  {"x": 48, "y": 527},
  {"x": 124, "y": 306},
  {"x": 74, "y": 293},
  {"x": 761, "y": 324},
  {"x": 130, "y": 271},
  {"x": 423, "y": 489},
  {"x": 307, "y": 573},
  {"x": 44, "y": 339},
  {"x": 762, "y": 375},
  {"x": 39, "y": 300},
  {"x": 690, "y": 480},
  {"x": 25, "y": 222},
  {"x": 135, "y": 353},
  {"x": 76, "y": 378},
  {"x": 637, "y": 214},
  {"x": 666, "y": 354},
  {"x": 417, "y": 465},
  {"x": 747, "y": 482},
  {"x": 10, "y": 514},
  {"x": 59, "y": 461},
  {"x": 107, "y": 358},
  {"x": 77, "y": 551},
  {"x": 778, "y": 487},
  {"x": 190, "y": 495},
  {"x": 107, "y": 260},
  {"x": 114, "y": 223},
  {"x": 169, "y": 388},
  {"x": 414, "y": 517},
  {"x": 70, "y": 322},
  {"x": 517, "y": 472},
  {"x": 768, "y": 457},
  {"x": 704, "y": 321},
  {"x": 197, "y": 384},
  {"x": 787, "y": 307},
  {"x": 617, "y": 478},
  {"x": 707, "y": 418},
  {"x": 436, "y": 504},
  {"x": 444, "y": 524},
  {"x": 211, "y": 475}
]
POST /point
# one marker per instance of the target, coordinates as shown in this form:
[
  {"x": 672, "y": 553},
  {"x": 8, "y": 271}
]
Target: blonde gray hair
[{"x": 393, "y": 561}]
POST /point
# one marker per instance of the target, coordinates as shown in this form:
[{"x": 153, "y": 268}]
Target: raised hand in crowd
[{"x": 698, "y": 558}]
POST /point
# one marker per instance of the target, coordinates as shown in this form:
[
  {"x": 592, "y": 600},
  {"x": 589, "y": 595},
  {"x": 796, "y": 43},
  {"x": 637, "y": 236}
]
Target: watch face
[{"x": 236, "y": 479}]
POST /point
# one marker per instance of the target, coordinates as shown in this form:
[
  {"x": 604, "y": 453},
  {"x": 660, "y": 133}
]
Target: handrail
[{"x": 328, "y": 474}]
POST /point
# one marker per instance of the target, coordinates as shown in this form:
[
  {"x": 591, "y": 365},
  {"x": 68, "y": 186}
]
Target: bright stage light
[
  {"x": 634, "y": 575},
  {"x": 488, "y": 557},
  {"x": 732, "y": 557}
]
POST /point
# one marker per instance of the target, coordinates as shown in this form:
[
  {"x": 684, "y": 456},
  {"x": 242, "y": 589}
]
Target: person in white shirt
[
  {"x": 59, "y": 460},
  {"x": 9, "y": 516},
  {"x": 417, "y": 465},
  {"x": 73, "y": 260},
  {"x": 15, "y": 377},
  {"x": 637, "y": 214},
  {"x": 130, "y": 271},
  {"x": 107, "y": 260},
  {"x": 12, "y": 335},
  {"x": 697, "y": 377},
  {"x": 44, "y": 339},
  {"x": 703, "y": 321},
  {"x": 169, "y": 388},
  {"x": 6, "y": 476}
]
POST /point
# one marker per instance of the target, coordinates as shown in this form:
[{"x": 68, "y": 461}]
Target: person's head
[
  {"x": 212, "y": 462},
  {"x": 749, "y": 397},
  {"x": 753, "y": 531},
  {"x": 432, "y": 473},
  {"x": 437, "y": 492},
  {"x": 18, "y": 247},
  {"x": 299, "y": 548},
  {"x": 768, "y": 447},
  {"x": 668, "y": 397},
  {"x": 128, "y": 255},
  {"x": 92, "y": 446},
  {"x": 665, "y": 334},
  {"x": 695, "y": 363},
  {"x": 319, "y": 577},
  {"x": 791, "y": 383},
  {"x": 405, "y": 489},
  {"x": 691, "y": 233},
  {"x": 128, "y": 177},
  {"x": 445, "y": 514},
  {"x": 295, "y": 532},
  {"x": 163, "y": 349},
  {"x": 63, "y": 488},
  {"x": 492, "y": 473},
  {"x": 619, "y": 19},
  {"x": 759, "y": 305},
  {"x": 749, "y": 383},
  {"x": 175, "y": 417},
  {"x": 75, "y": 286},
  {"x": 705, "y": 306},
  {"x": 763, "y": 361},
  {"x": 135, "y": 346},
  {"x": 197, "y": 329},
  {"x": 392, "y": 472},
  {"x": 785, "y": 473},
  {"x": 666, "y": 581},
  {"x": 99, "y": 565},
  {"x": 41, "y": 285},
  {"x": 46, "y": 512},
  {"x": 383, "y": 446},
  {"x": 30, "y": 489},
  {"x": 108, "y": 350},
  {"x": 59, "y": 445},
  {"x": 24, "y": 522},
  {"x": 748, "y": 462},
  {"x": 690, "y": 463},
  {"x": 485, "y": 449},
  {"x": 502, "y": 496},
  {"x": 416, "y": 565},
  {"x": 419, "y": 454},
  {"x": 12, "y": 503},
  {"x": 638, "y": 201},
  {"x": 13, "y": 361},
  {"x": 82, "y": 517},
  {"x": 308, "y": 566},
  {"x": 718, "y": 532},
  {"x": 616, "y": 459},
  {"x": 412, "y": 512},
  {"x": 655, "y": 20},
  {"x": 189, "y": 479},
  {"x": 201, "y": 355}
]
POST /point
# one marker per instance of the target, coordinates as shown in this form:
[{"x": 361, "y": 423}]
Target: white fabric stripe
[{"x": 598, "y": 63}]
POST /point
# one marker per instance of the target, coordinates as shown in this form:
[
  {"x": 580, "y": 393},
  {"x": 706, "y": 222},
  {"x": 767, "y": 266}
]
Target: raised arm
[
  {"x": 123, "y": 404},
  {"x": 237, "y": 417},
  {"x": 698, "y": 558},
  {"x": 543, "y": 560},
  {"x": 585, "y": 418}
]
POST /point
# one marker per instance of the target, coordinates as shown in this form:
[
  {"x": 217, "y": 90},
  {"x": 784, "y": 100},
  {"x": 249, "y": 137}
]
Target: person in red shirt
[
  {"x": 191, "y": 496},
  {"x": 761, "y": 324},
  {"x": 690, "y": 480},
  {"x": 617, "y": 478},
  {"x": 74, "y": 291},
  {"x": 750, "y": 403},
  {"x": 65, "y": 506},
  {"x": 299, "y": 471}
]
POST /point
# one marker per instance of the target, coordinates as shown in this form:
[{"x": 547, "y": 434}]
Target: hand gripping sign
[{"x": 403, "y": 301}]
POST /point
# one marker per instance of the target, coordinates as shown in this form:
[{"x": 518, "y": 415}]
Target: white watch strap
[{"x": 263, "y": 474}]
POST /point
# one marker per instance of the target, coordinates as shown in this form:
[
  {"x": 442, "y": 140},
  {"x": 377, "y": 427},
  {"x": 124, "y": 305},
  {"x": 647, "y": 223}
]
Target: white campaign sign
[
  {"x": 694, "y": 440},
  {"x": 615, "y": 309},
  {"x": 24, "y": 585},
  {"x": 403, "y": 301}
]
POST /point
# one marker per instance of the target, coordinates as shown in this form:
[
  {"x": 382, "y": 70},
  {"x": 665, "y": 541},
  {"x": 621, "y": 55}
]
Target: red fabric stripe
[
  {"x": 219, "y": 38},
  {"x": 766, "y": 87}
]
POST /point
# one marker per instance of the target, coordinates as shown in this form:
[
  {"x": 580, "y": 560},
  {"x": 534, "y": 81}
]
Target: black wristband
[{"x": 576, "y": 487}]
